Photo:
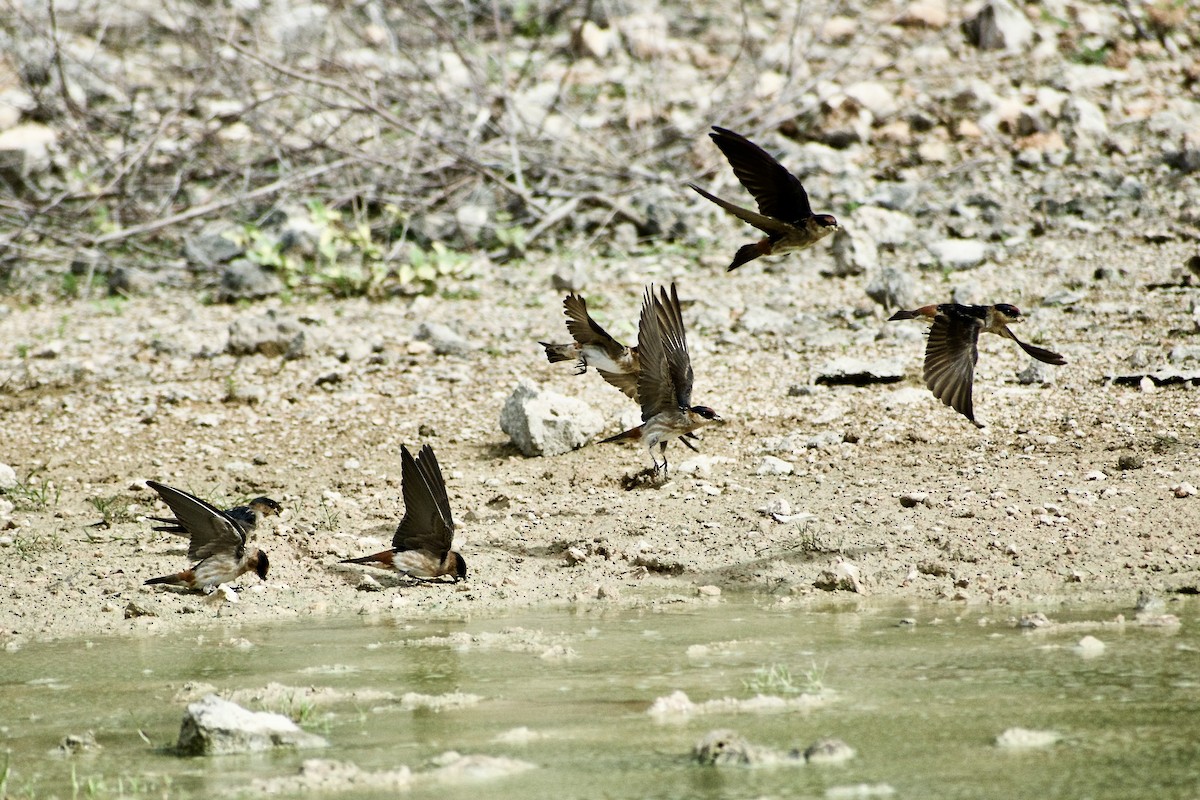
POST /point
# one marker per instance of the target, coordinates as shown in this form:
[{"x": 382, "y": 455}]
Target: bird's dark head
[
  {"x": 266, "y": 506},
  {"x": 1010, "y": 312},
  {"x": 460, "y": 567},
  {"x": 827, "y": 221},
  {"x": 706, "y": 413},
  {"x": 261, "y": 565}
]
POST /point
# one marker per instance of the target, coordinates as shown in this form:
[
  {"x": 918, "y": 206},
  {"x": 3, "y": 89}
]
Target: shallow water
[{"x": 922, "y": 704}]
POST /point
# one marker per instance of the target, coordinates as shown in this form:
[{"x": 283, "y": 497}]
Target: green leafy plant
[
  {"x": 112, "y": 508},
  {"x": 34, "y": 493}
]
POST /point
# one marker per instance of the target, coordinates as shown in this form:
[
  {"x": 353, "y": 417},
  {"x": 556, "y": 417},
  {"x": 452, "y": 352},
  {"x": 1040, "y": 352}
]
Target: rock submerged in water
[{"x": 213, "y": 727}]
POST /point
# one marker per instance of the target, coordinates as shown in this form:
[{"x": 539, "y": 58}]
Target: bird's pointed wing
[
  {"x": 779, "y": 193},
  {"x": 1040, "y": 353},
  {"x": 627, "y": 382},
  {"x": 656, "y": 392},
  {"x": 950, "y": 357},
  {"x": 585, "y": 330},
  {"x": 212, "y": 530},
  {"x": 427, "y": 523},
  {"x": 679, "y": 363},
  {"x": 763, "y": 223}
]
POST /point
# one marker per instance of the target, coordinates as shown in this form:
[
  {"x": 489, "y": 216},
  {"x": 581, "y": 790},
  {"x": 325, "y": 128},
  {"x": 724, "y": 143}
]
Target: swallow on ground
[
  {"x": 218, "y": 541},
  {"x": 952, "y": 350},
  {"x": 593, "y": 347},
  {"x": 665, "y": 378},
  {"x": 421, "y": 544},
  {"x": 784, "y": 213}
]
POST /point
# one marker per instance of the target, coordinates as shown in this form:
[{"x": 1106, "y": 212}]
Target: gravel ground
[{"x": 1031, "y": 510}]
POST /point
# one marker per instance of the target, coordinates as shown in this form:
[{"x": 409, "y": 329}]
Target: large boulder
[
  {"x": 213, "y": 727},
  {"x": 543, "y": 423}
]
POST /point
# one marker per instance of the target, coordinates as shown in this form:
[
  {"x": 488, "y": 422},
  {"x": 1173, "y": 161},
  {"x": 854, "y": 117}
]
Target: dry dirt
[{"x": 1032, "y": 511}]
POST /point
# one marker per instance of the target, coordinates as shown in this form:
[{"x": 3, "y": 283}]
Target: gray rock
[
  {"x": 1085, "y": 118},
  {"x": 959, "y": 253},
  {"x": 828, "y": 751},
  {"x": 270, "y": 335},
  {"x": 129, "y": 281},
  {"x": 892, "y": 288},
  {"x": 573, "y": 278},
  {"x": 1035, "y": 373},
  {"x": 849, "y": 371},
  {"x": 760, "y": 319},
  {"x": 213, "y": 726},
  {"x": 444, "y": 340},
  {"x": 210, "y": 249},
  {"x": 724, "y": 747},
  {"x": 8, "y": 477},
  {"x": 883, "y": 226},
  {"x": 245, "y": 280},
  {"x": 1184, "y": 352},
  {"x": 999, "y": 25},
  {"x": 854, "y": 252},
  {"x": 543, "y": 423}
]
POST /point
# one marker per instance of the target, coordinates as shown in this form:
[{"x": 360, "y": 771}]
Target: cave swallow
[
  {"x": 665, "y": 379},
  {"x": 952, "y": 349},
  {"x": 593, "y": 347},
  {"x": 421, "y": 544},
  {"x": 784, "y": 213},
  {"x": 218, "y": 541}
]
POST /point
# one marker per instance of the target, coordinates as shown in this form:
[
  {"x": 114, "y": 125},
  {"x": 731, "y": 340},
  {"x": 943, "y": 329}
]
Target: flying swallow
[
  {"x": 421, "y": 545},
  {"x": 593, "y": 347},
  {"x": 784, "y": 213},
  {"x": 665, "y": 378},
  {"x": 218, "y": 541},
  {"x": 952, "y": 350}
]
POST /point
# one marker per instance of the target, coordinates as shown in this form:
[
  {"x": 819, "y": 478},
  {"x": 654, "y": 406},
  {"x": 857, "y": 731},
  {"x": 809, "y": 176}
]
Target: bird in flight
[
  {"x": 218, "y": 541},
  {"x": 665, "y": 379},
  {"x": 784, "y": 213},
  {"x": 422, "y": 542},
  {"x": 593, "y": 347},
  {"x": 952, "y": 349}
]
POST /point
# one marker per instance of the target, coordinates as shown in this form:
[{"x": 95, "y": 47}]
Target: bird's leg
[{"x": 663, "y": 450}]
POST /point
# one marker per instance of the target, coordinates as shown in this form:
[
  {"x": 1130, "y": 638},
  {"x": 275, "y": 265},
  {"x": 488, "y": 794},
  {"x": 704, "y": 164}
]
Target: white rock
[
  {"x": 770, "y": 465},
  {"x": 32, "y": 141},
  {"x": 1000, "y": 26},
  {"x": 1089, "y": 647},
  {"x": 1087, "y": 117},
  {"x": 543, "y": 423},
  {"x": 444, "y": 340},
  {"x": 699, "y": 465},
  {"x": 1184, "y": 489},
  {"x": 8, "y": 477},
  {"x": 854, "y": 252},
  {"x": 959, "y": 253},
  {"x": 213, "y": 726},
  {"x": 1025, "y": 739},
  {"x": 874, "y": 97}
]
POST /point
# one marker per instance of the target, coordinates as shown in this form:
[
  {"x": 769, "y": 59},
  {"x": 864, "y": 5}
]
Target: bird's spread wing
[
  {"x": 779, "y": 193},
  {"x": 627, "y": 382},
  {"x": 584, "y": 329},
  {"x": 679, "y": 363},
  {"x": 212, "y": 530},
  {"x": 427, "y": 523},
  {"x": 656, "y": 392},
  {"x": 950, "y": 357},
  {"x": 763, "y": 223},
  {"x": 1040, "y": 353}
]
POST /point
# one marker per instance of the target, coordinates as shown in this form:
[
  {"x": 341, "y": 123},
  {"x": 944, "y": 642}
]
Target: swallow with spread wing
[
  {"x": 665, "y": 379},
  {"x": 218, "y": 541},
  {"x": 952, "y": 349},
  {"x": 421, "y": 545},
  {"x": 784, "y": 213},
  {"x": 249, "y": 515},
  {"x": 593, "y": 347}
]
